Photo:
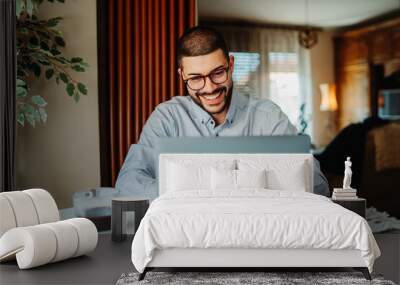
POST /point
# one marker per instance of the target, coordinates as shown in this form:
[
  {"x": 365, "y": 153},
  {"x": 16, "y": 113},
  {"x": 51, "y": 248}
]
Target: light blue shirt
[{"x": 182, "y": 117}]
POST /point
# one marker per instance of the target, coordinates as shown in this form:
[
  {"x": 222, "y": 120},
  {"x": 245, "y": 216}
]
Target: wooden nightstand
[{"x": 356, "y": 205}]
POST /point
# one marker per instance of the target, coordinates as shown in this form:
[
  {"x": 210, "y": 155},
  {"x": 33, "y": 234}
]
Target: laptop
[{"x": 245, "y": 144}]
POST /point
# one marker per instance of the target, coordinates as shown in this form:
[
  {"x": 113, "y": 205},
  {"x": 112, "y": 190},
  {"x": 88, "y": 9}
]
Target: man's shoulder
[
  {"x": 262, "y": 104},
  {"x": 174, "y": 102}
]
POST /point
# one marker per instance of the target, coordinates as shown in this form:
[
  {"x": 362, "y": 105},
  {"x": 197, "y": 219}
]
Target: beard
[{"x": 210, "y": 108}]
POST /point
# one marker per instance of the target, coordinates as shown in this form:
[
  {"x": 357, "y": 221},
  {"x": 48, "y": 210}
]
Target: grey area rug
[{"x": 232, "y": 278}]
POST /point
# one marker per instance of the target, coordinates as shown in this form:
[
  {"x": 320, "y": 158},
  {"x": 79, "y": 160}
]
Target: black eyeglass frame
[{"x": 226, "y": 69}]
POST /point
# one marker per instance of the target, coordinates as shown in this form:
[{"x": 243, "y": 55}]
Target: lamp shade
[{"x": 328, "y": 97}]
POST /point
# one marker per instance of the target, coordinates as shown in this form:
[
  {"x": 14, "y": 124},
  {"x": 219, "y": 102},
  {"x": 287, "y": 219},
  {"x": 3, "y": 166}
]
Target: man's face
[{"x": 213, "y": 97}]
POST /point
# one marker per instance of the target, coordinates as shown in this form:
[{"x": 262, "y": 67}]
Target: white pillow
[
  {"x": 223, "y": 179},
  {"x": 251, "y": 178},
  {"x": 236, "y": 179},
  {"x": 184, "y": 175},
  {"x": 182, "y": 178},
  {"x": 281, "y": 174},
  {"x": 292, "y": 178}
]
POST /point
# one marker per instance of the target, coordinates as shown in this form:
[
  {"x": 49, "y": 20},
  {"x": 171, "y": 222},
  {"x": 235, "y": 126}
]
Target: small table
[
  {"x": 122, "y": 208},
  {"x": 358, "y": 205}
]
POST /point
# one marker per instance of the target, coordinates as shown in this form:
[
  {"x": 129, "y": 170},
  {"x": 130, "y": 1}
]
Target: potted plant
[{"x": 39, "y": 52}]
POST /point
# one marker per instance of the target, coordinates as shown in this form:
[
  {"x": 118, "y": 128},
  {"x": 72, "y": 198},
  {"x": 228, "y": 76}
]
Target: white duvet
[{"x": 250, "y": 219}]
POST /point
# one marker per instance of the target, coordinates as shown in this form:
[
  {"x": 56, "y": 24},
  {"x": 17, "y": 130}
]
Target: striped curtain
[
  {"x": 8, "y": 123},
  {"x": 138, "y": 64}
]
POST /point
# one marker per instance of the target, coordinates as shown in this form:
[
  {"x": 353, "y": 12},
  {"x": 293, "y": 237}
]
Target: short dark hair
[{"x": 200, "y": 41}]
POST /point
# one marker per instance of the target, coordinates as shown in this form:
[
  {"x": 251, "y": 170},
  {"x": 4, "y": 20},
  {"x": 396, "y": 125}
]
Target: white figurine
[{"x": 347, "y": 174}]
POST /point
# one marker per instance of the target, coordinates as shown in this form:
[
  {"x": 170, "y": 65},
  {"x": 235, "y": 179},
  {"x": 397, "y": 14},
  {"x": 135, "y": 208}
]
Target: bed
[{"x": 247, "y": 210}]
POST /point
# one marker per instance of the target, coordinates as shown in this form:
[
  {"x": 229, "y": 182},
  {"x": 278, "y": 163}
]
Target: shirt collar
[{"x": 237, "y": 101}]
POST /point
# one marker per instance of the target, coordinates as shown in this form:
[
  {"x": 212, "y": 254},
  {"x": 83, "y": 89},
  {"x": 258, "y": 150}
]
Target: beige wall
[
  {"x": 62, "y": 155},
  {"x": 322, "y": 71}
]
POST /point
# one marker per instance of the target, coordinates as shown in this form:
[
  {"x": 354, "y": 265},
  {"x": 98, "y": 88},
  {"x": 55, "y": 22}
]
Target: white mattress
[{"x": 252, "y": 218}]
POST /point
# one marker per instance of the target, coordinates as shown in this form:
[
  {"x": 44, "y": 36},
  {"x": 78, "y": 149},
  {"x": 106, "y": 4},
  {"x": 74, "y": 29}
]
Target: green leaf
[
  {"x": 53, "y": 22},
  {"x": 76, "y": 97},
  {"x": 29, "y": 7},
  {"x": 55, "y": 51},
  {"x": 59, "y": 41},
  {"x": 21, "y": 91},
  {"x": 61, "y": 1},
  {"x": 29, "y": 110},
  {"x": 21, "y": 118},
  {"x": 44, "y": 46},
  {"x": 38, "y": 100},
  {"x": 43, "y": 62},
  {"x": 64, "y": 77},
  {"x": 76, "y": 59},
  {"x": 18, "y": 7},
  {"x": 21, "y": 72},
  {"x": 36, "y": 69},
  {"x": 84, "y": 64},
  {"x": 43, "y": 115},
  {"x": 22, "y": 30},
  {"x": 30, "y": 114},
  {"x": 20, "y": 82},
  {"x": 82, "y": 88},
  {"x": 60, "y": 59},
  {"x": 36, "y": 115},
  {"x": 57, "y": 31},
  {"x": 78, "y": 68},
  {"x": 43, "y": 34},
  {"x": 49, "y": 73},
  {"x": 34, "y": 41},
  {"x": 70, "y": 89}
]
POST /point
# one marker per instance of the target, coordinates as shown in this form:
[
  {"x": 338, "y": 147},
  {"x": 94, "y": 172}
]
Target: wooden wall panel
[
  {"x": 357, "y": 54},
  {"x": 395, "y": 41},
  {"x": 354, "y": 91},
  {"x": 379, "y": 46},
  {"x": 141, "y": 68}
]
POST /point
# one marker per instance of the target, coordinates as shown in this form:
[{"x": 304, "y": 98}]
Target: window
[
  {"x": 280, "y": 78},
  {"x": 284, "y": 83},
  {"x": 246, "y": 66}
]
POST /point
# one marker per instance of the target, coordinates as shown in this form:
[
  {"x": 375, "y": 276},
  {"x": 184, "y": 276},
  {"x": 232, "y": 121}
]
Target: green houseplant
[{"x": 39, "y": 51}]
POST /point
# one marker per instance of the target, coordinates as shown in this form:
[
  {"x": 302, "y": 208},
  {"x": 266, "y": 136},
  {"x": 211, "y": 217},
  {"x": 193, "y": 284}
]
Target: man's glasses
[{"x": 217, "y": 76}]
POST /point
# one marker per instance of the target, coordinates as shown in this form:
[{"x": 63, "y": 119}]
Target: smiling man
[
  {"x": 213, "y": 108},
  {"x": 212, "y": 91}
]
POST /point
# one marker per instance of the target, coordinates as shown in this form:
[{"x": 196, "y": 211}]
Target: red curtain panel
[{"x": 137, "y": 69}]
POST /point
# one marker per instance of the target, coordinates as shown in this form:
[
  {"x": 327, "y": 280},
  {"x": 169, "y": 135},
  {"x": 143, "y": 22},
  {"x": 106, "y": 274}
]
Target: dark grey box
[
  {"x": 357, "y": 205},
  {"x": 127, "y": 212}
]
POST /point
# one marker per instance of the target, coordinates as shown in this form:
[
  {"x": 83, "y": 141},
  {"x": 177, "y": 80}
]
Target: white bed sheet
[{"x": 251, "y": 218}]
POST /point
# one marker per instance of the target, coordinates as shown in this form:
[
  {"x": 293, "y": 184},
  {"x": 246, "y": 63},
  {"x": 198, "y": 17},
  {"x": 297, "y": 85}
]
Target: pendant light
[{"x": 308, "y": 37}]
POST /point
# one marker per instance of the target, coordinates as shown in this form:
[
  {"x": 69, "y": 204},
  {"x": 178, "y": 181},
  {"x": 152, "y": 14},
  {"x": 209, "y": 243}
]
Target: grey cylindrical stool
[{"x": 126, "y": 211}]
